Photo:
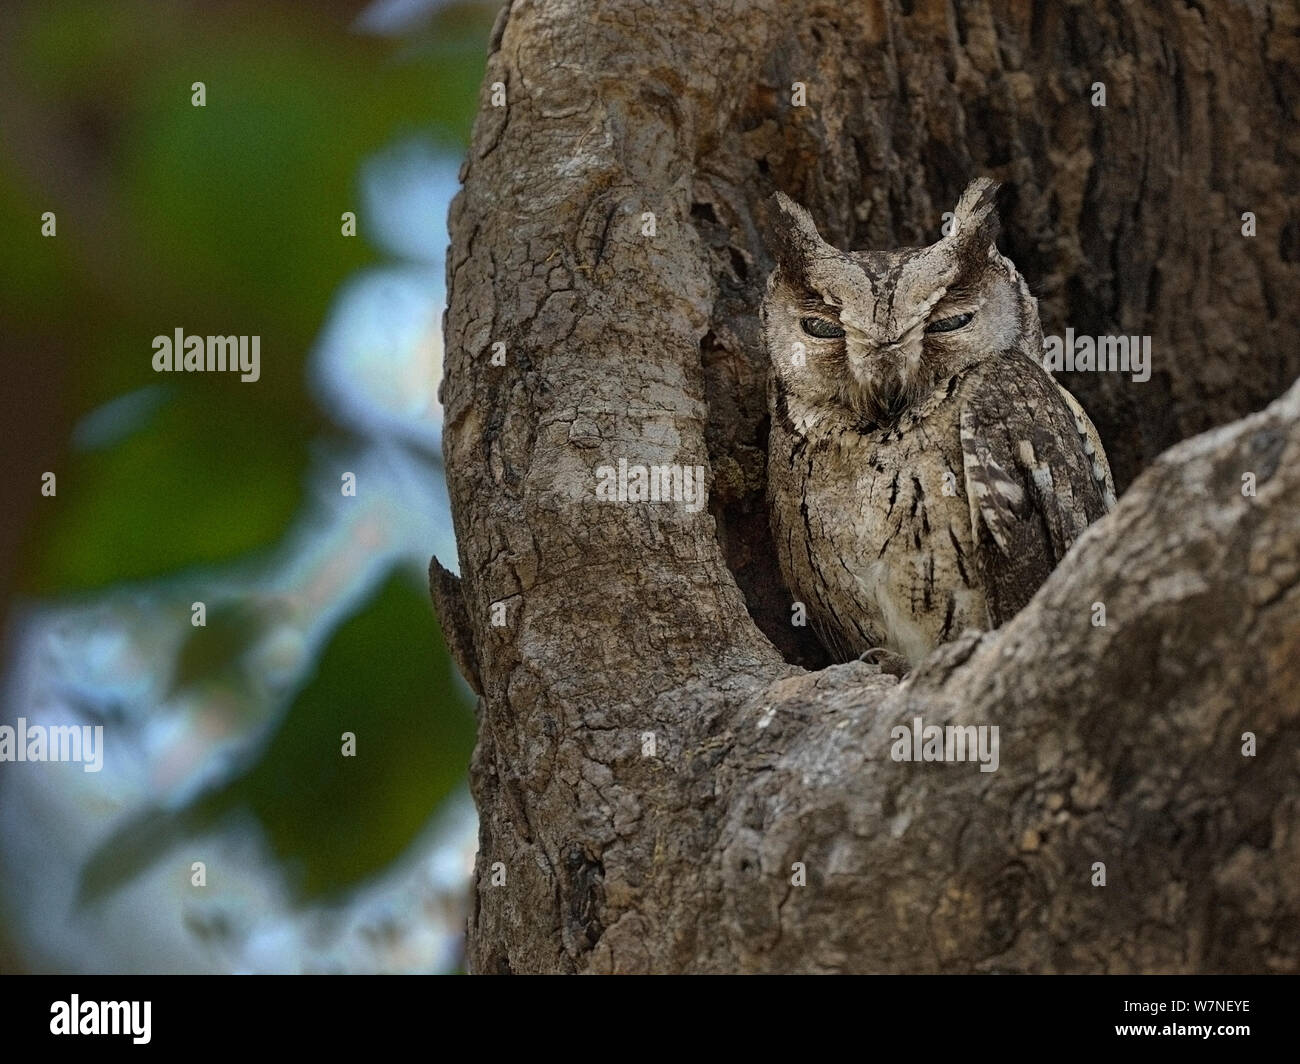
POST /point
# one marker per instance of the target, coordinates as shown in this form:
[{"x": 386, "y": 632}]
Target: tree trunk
[{"x": 653, "y": 757}]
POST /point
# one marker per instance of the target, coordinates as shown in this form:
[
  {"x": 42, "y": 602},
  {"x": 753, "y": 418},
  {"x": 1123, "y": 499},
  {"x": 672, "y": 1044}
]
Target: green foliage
[
  {"x": 223, "y": 219},
  {"x": 332, "y": 820},
  {"x": 204, "y": 480},
  {"x": 336, "y": 820}
]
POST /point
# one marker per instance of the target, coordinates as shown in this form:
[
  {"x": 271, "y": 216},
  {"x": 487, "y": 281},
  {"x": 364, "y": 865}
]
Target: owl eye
[
  {"x": 950, "y": 324},
  {"x": 821, "y": 328}
]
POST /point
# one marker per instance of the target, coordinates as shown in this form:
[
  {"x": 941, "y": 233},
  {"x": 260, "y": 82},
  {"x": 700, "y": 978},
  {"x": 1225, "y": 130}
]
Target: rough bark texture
[{"x": 1119, "y": 744}]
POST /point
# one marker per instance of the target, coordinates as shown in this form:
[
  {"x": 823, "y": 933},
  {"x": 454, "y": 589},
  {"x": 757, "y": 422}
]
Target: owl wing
[{"x": 1030, "y": 481}]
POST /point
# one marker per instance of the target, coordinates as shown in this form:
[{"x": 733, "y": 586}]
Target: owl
[{"x": 925, "y": 472}]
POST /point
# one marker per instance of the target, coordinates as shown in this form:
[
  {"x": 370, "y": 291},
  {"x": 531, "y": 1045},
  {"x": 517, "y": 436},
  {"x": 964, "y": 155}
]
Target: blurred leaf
[
  {"x": 215, "y": 651},
  {"x": 222, "y": 220},
  {"x": 344, "y": 818},
  {"x": 333, "y": 820},
  {"x": 33, "y": 268},
  {"x": 202, "y": 481}
]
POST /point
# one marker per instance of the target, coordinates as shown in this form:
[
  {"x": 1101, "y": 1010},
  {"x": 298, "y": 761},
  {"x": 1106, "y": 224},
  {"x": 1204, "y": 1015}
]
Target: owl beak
[
  {"x": 867, "y": 354},
  {"x": 872, "y": 364}
]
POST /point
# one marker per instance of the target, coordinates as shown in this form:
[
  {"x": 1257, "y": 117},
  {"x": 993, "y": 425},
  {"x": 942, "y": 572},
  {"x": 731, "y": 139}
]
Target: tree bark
[{"x": 631, "y": 626}]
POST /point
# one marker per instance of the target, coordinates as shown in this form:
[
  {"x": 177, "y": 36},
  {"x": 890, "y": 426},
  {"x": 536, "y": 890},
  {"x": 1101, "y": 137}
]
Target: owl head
[{"x": 871, "y": 333}]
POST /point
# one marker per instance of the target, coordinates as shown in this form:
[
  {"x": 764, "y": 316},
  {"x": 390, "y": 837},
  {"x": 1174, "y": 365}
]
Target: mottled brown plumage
[{"x": 925, "y": 473}]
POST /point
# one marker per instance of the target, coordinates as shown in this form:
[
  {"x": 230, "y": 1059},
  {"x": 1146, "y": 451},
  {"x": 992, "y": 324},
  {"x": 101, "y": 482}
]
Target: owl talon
[{"x": 886, "y": 661}]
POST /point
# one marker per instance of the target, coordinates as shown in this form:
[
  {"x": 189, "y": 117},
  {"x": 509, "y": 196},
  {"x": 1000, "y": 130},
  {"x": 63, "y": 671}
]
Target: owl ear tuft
[
  {"x": 792, "y": 239},
  {"x": 976, "y": 214}
]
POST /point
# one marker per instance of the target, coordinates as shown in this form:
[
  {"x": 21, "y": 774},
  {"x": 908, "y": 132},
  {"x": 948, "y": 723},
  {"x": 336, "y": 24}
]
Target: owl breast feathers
[{"x": 925, "y": 473}]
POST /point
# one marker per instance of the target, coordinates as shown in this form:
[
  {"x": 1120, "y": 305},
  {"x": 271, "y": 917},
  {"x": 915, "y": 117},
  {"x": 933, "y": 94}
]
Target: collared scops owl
[{"x": 925, "y": 472}]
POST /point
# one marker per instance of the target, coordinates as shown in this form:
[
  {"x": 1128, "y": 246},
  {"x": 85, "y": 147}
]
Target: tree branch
[{"x": 649, "y": 767}]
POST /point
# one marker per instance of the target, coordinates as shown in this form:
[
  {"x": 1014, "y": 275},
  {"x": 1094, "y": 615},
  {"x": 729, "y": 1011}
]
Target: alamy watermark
[
  {"x": 656, "y": 483},
  {"x": 37, "y": 742},
  {"x": 956, "y": 742},
  {"x": 212, "y": 354},
  {"x": 1098, "y": 354},
  {"x": 102, "y": 1017}
]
